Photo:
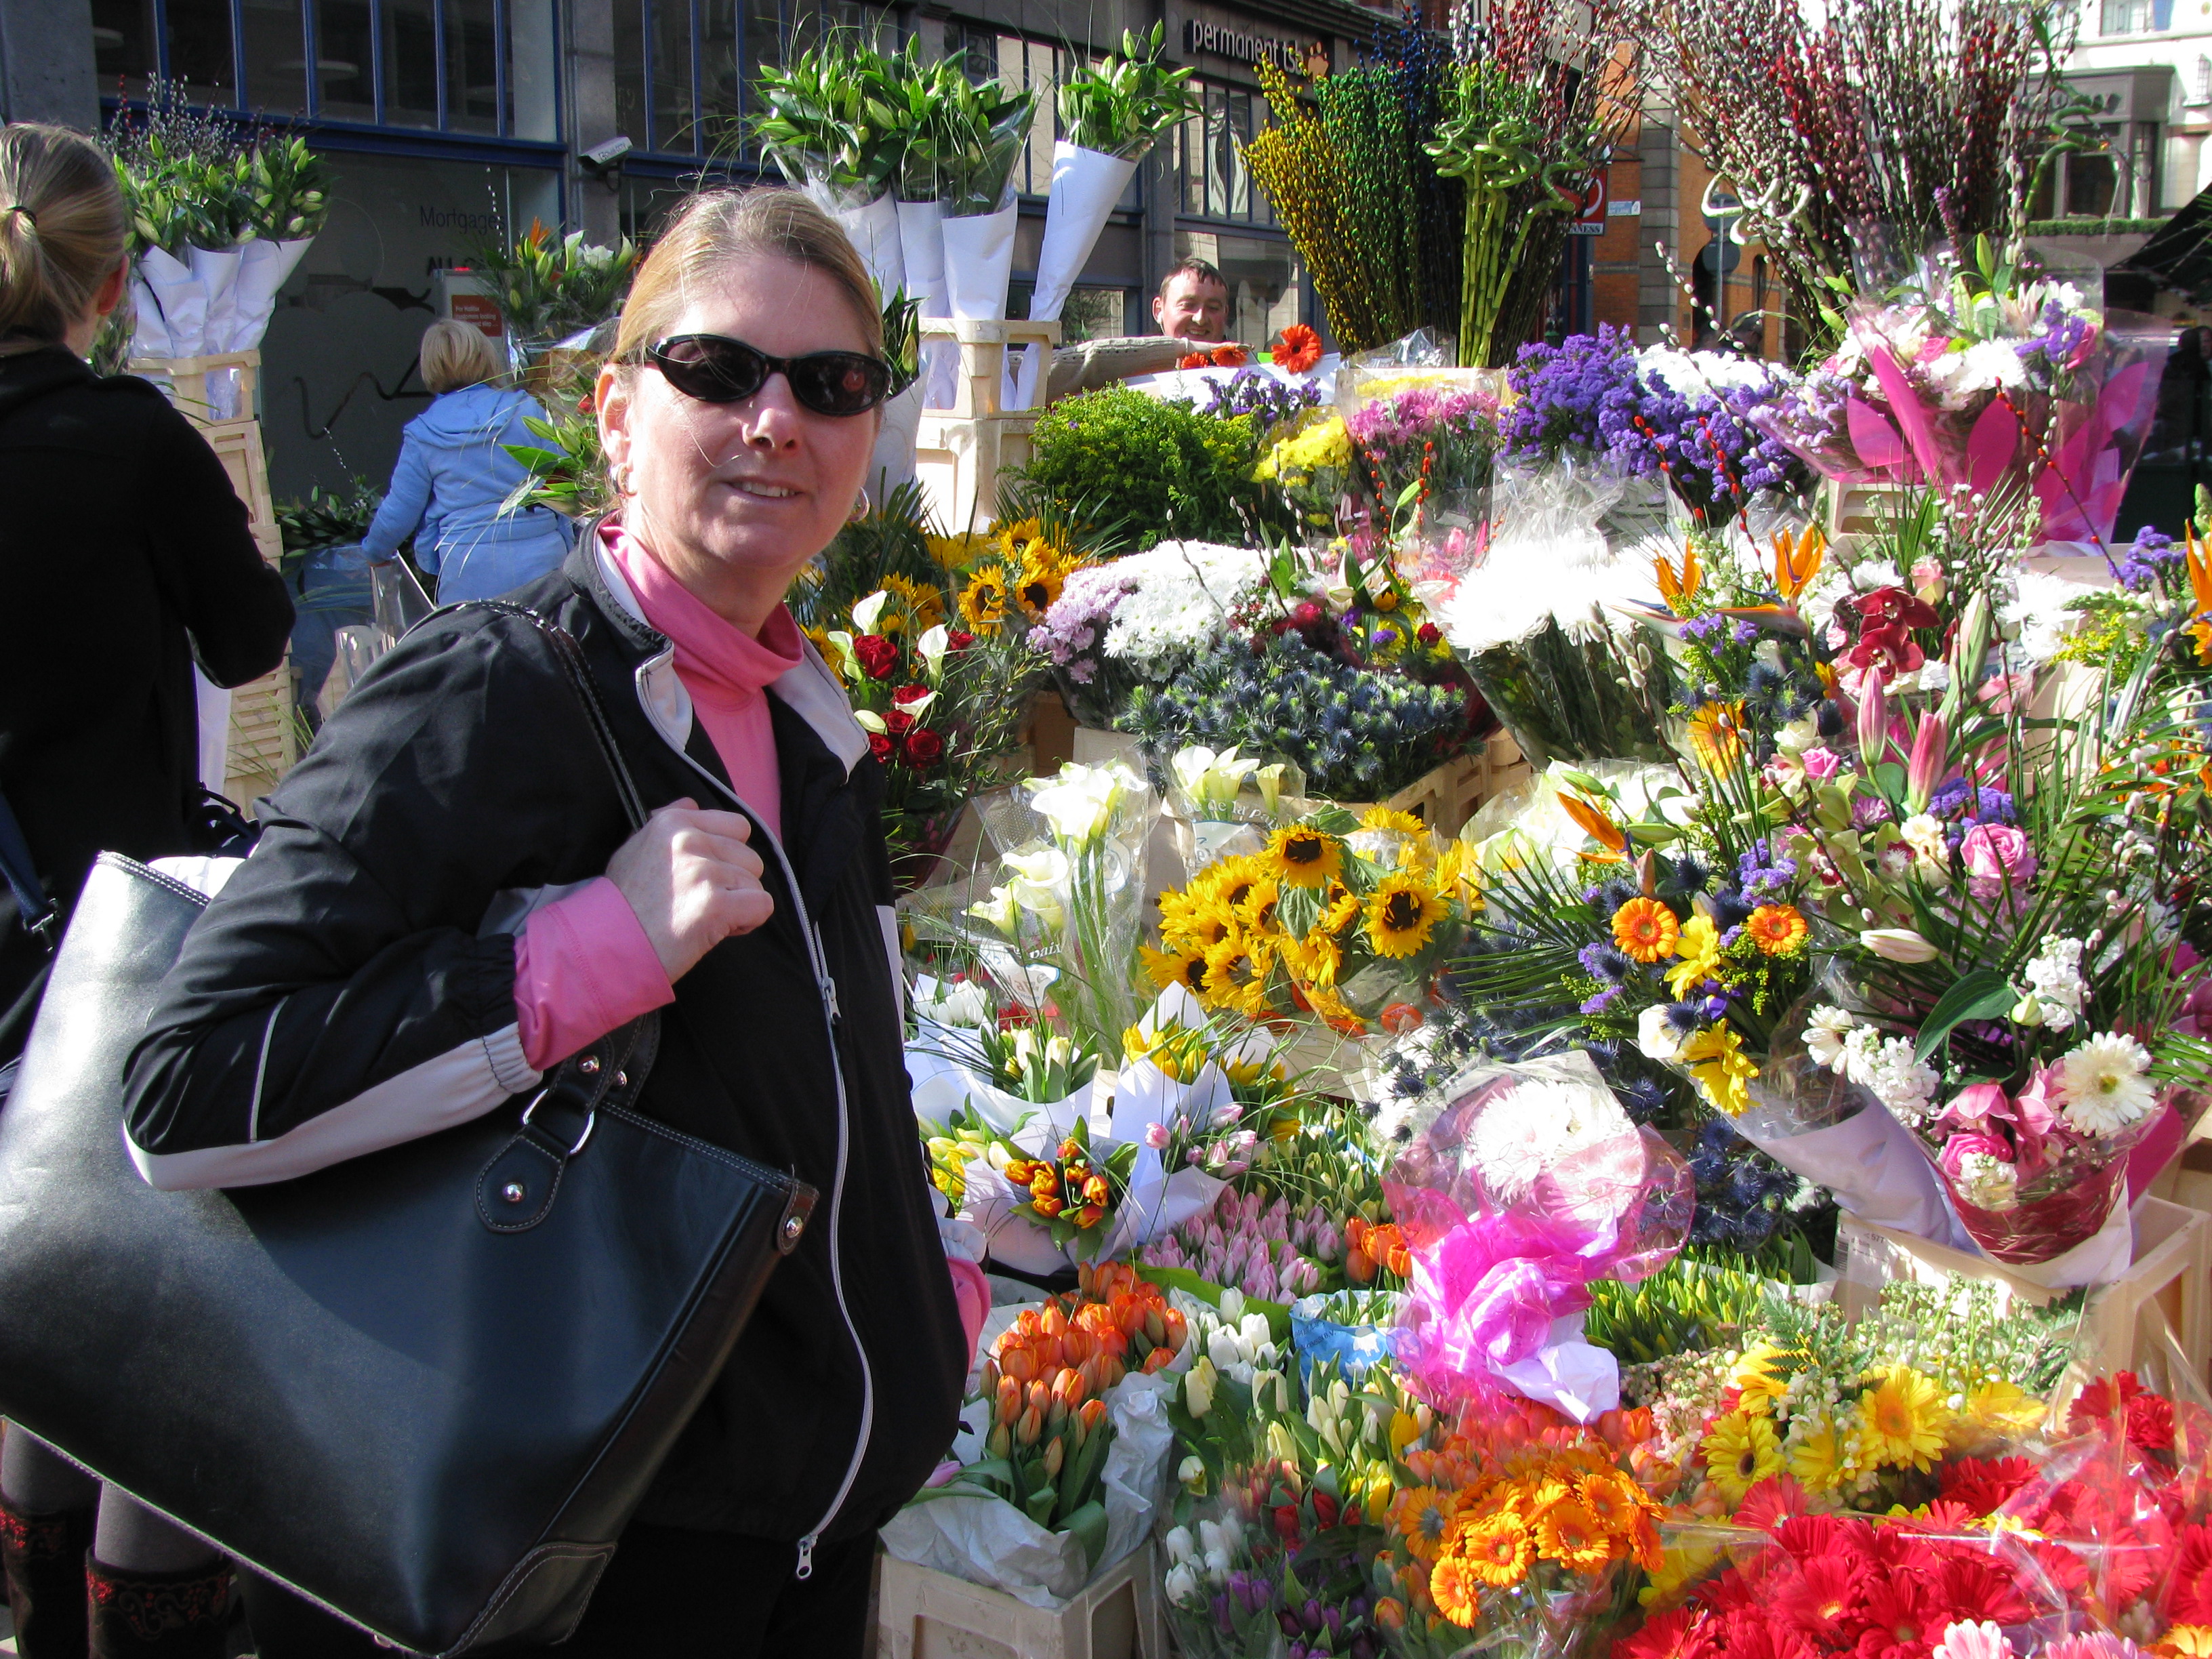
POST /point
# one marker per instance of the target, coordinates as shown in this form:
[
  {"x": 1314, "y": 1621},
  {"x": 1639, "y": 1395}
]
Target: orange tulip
[
  {"x": 1110, "y": 1371},
  {"x": 1052, "y": 1320},
  {"x": 1178, "y": 1328},
  {"x": 1078, "y": 1346},
  {"x": 988, "y": 1378},
  {"x": 1092, "y": 1411},
  {"x": 1156, "y": 1326},
  {"x": 1055, "y": 1420},
  {"x": 1359, "y": 1267},
  {"x": 1039, "y": 1394},
  {"x": 1010, "y": 1399},
  {"x": 1051, "y": 1356},
  {"x": 1001, "y": 1441},
  {"x": 1017, "y": 1360},
  {"x": 1089, "y": 1216},
  {"x": 1055, "y": 1454},
  {"x": 1158, "y": 1359},
  {"x": 1096, "y": 1190},
  {"x": 1031, "y": 1426},
  {"x": 1068, "y": 1387}
]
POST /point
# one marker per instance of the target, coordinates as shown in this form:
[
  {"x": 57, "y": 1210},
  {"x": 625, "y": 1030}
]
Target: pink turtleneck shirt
[{"x": 583, "y": 965}]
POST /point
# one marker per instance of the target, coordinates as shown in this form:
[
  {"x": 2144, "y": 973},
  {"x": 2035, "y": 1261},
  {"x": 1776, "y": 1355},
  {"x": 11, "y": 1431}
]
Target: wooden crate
[
  {"x": 263, "y": 736},
  {"x": 1446, "y": 797},
  {"x": 2171, "y": 1274},
  {"x": 235, "y": 377},
  {"x": 925, "y": 1614},
  {"x": 960, "y": 452}
]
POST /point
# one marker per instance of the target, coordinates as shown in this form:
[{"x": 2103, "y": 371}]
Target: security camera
[{"x": 602, "y": 158}]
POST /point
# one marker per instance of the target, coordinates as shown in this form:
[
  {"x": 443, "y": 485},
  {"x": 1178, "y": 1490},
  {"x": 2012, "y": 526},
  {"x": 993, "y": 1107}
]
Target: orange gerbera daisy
[
  {"x": 1611, "y": 1499},
  {"x": 1456, "y": 1587},
  {"x": 1776, "y": 929},
  {"x": 1645, "y": 929},
  {"x": 1567, "y": 1531},
  {"x": 1500, "y": 1551},
  {"x": 1421, "y": 1517}
]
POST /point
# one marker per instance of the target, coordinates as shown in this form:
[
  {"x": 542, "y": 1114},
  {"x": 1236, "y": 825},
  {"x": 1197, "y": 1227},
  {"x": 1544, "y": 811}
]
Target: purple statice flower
[
  {"x": 1603, "y": 1001},
  {"x": 2058, "y": 337},
  {"x": 1253, "y": 392},
  {"x": 2154, "y": 555},
  {"x": 1745, "y": 632},
  {"x": 1969, "y": 802},
  {"x": 1762, "y": 879},
  {"x": 1569, "y": 393},
  {"x": 1705, "y": 630},
  {"x": 1713, "y": 455}
]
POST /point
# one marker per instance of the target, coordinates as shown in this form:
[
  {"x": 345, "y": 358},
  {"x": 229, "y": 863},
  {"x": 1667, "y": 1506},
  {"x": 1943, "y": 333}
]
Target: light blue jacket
[{"x": 452, "y": 477}]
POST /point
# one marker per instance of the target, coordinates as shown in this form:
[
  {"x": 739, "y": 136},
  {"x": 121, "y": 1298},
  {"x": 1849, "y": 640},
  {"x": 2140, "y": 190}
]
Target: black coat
[
  {"x": 352, "y": 987},
  {"x": 124, "y": 556}
]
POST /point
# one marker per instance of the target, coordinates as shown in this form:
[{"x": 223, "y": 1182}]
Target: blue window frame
[{"x": 456, "y": 75}]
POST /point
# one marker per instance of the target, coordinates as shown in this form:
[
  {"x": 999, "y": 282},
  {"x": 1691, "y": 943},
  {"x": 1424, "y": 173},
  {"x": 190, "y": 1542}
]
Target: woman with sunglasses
[{"x": 447, "y": 902}]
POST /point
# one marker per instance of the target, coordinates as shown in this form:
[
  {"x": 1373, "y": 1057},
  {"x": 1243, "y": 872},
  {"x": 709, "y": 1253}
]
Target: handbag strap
[
  {"x": 37, "y": 911},
  {"x": 570, "y": 655}
]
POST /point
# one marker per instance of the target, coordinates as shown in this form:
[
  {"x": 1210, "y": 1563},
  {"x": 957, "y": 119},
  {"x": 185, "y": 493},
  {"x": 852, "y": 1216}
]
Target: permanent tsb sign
[{"x": 1290, "y": 55}]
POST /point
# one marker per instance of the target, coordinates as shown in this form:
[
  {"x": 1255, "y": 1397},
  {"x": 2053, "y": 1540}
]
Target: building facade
[{"x": 453, "y": 124}]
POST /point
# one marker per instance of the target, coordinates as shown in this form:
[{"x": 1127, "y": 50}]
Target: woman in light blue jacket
[{"x": 453, "y": 476}]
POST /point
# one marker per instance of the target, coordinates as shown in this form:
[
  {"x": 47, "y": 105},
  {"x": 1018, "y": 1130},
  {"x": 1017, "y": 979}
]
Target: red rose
[
  {"x": 897, "y": 722},
  {"x": 880, "y": 747},
  {"x": 924, "y": 748},
  {"x": 907, "y": 694},
  {"x": 1427, "y": 634},
  {"x": 956, "y": 642},
  {"x": 877, "y": 655}
]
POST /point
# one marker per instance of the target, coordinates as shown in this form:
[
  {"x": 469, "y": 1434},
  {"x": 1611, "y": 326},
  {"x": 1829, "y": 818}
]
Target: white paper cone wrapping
[
  {"x": 979, "y": 256},
  {"x": 214, "y": 709},
  {"x": 1875, "y": 1169},
  {"x": 149, "y": 334},
  {"x": 217, "y": 268},
  {"x": 1086, "y": 185},
  {"x": 921, "y": 238},
  {"x": 179, "y": 304},
  {"x": 892, "y": 462},
  {"x": 263, "y": 271},
  {"x": 874, "y": 228}
]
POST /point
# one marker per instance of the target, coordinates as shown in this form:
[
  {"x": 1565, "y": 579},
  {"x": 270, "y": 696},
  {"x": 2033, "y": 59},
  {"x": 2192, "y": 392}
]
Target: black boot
[
  {"x": 44, "y": 1556},
  {"x": 157, "y": 1615}
]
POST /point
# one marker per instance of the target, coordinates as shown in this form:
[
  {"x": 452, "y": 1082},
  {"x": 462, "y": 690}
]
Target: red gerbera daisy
[
  {"x": 1984, "y": 1484},
  {"x": 1670, "y": 1635},
  {"x": 2189, "y": 1598},
  {"x": 1902, "y": 1621},
  {"x": 1772, "y": 1502},
  {"x": 1824, "y": 1600},
  {"x": 2101, "y": 1400},
  {"x": 2150, "y": 1423}
]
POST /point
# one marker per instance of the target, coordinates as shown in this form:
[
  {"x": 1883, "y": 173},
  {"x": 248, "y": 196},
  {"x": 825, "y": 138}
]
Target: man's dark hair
[{"x": 1204, "y": 270}]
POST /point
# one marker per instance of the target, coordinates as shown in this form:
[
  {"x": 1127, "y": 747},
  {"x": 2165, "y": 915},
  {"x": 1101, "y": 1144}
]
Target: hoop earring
[
  {"x": 861, "y": 508},
  {"x": 619, "y": 478}
]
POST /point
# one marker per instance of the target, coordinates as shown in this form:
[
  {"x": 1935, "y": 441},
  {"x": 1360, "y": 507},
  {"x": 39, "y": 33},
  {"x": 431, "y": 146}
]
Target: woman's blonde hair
[
  {"x": 455, "y": 355},
  {"x": 716, "y": 228},
  {"x": 63, "y": 229}
]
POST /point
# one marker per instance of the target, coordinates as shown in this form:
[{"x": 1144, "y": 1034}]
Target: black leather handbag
[{"x": 424, "y": 1389}]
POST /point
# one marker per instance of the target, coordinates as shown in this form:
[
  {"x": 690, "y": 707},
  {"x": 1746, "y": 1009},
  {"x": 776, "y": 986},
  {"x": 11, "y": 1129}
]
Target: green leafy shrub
[{"x": 1147, "y": 470}]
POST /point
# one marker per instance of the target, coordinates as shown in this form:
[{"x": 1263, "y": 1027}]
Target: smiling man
[{"x": 1192, "y": 303}]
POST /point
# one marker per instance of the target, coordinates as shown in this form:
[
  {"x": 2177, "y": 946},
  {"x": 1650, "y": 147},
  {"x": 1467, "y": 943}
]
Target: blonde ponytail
[{"x": 62, "y": 230}]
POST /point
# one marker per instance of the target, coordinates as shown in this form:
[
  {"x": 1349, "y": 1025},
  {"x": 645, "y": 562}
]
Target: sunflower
[
  {"x": 983, "y": 601},
  {"x": 1299, "y": 855},
  {"x": 1316, "y": 959},
  {"x": 1741, "y": 1450},
  {"x": 1456, "y": 1588},
  {"x": 1185, "y": 966},
  {"x": 1340, "y": 909},
  {"x": 1256, "y": 909},
  {"x": 1237, "y": 976},
  {"x": 1042, "y": 579},
  {"x": 1401, "y": 913},
  {"x": 1401, "y": 823},
  {"x": 1902, "y": 1419},
  {"x": 1210, "y": 922},
  {"x": 1776, "y": 929},
  {"x": 1498, "y": 1551},
  {"x": 1645, "y": 929},
  {"x": 1566, "y": 1532},
  {"x": 920, "y": 604},
  {"x": 833, "y": 659},
  {"x": 1421, "y": 1515}
]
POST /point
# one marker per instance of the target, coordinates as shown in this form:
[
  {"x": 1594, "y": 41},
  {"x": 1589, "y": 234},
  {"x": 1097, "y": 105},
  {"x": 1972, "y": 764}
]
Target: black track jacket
[{"x": 352, "y": 987}]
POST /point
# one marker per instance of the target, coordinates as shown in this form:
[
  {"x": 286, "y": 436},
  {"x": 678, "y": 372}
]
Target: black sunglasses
[{"x": 717, "y": 369}]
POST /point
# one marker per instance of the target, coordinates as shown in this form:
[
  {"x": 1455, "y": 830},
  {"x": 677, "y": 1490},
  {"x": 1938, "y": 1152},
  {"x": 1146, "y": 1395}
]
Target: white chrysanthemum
[
  {"x": 1985, "y": 366},
  {"x": 2035, "y": 617},
  {"x": 1518, "y": 1136},
  {"x": 2105, "y": 1085},
  {"x": 2054, "y": 974},
  {"x": 1988, "y": 1182},
  {"x": 1825, "y": 1034},
  {"x": 1656, "y": 1035},
  {"x": 1185, "y": 592}
]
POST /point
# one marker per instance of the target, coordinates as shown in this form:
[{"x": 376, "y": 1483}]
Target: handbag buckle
[{"x": 591, "y": 1121}]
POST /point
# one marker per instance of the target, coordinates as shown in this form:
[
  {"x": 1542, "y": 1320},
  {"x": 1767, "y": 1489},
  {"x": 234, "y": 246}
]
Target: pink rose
[
  {"x": 1960, "y": 1147},
  {"x": 1822, "y": 764},
  {"x": 1996, "y": 855}
]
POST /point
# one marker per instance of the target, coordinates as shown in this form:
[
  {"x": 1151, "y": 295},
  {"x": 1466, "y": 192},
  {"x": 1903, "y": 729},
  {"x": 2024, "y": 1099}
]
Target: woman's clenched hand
[{"x": 694, "y": 880}]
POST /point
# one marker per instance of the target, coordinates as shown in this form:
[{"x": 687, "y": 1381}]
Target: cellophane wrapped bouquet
[{"x": 1989, "y": 377}]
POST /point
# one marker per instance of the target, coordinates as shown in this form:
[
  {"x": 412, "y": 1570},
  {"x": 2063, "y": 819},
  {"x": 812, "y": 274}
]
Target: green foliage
[
  {"x": 289, "y": 191},
  {"x": 840, "y": 112},
  {"x": 1147, "y": 469},
  {"x": 892, "y": 540},
  {"x": 190, "y": 180},
  {"x": 548, "y": 286},
  {"x": 324, "y": 519},
  {"x": 985, "y": 124},
  {"x": 1686, "y": 1307},
  {"x": 1122, "y": 107}
]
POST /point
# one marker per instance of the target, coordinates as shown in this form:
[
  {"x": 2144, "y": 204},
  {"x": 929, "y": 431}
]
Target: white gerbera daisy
[
  {"x": 1825, "y": 1033},
  {"x": 2104, "y": 1084}
]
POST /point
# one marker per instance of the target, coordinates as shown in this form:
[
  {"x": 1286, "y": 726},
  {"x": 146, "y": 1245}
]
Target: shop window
[
  {"x": 486, "y": 68},
  {"x": 2135, "y": 16},
  {"x": 1211, "y": 182},
  {"x": 1019, "y": 62},
  {"x": 682, "y": 67}
]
